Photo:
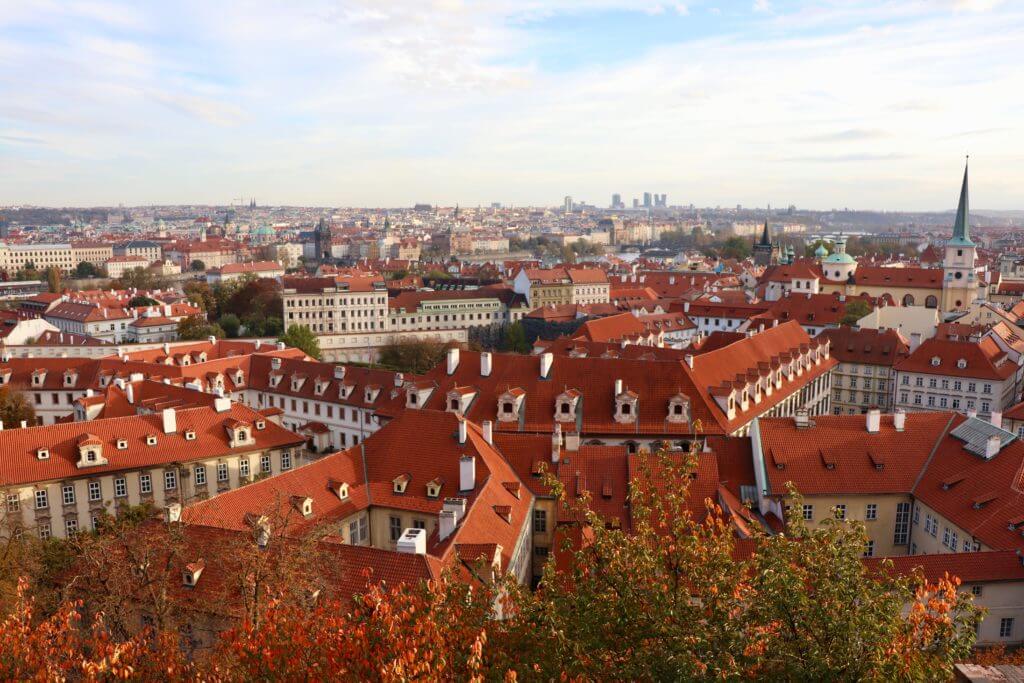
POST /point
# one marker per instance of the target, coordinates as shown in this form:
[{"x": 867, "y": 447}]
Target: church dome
[{"x": 821, "y": 252}]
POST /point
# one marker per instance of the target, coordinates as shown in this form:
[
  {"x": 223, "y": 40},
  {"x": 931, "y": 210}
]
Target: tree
[
  {"x": 854, "y": 310},
  {"x": 736, "y": 248},
  {"x": 300, "y": 337},
  {"x": 514, "y": 339},
  {"x": 139, "y": 278},
  {"x": 195, "y": 327},
  {"x": 197, "y": 266},
  {"x": 137, "y": 301},
  {"x": 412, "y": 355},
  {"x": 15, "y": 408},
  {"x": 84, "y": 269},
  {"x": 199, "y": 293},
  {"x": 230, "y": 324},
  {"x": 53, "y": 280}
]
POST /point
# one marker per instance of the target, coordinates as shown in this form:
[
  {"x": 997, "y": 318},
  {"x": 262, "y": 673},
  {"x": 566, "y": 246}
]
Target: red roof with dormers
[
  {"x": 980, "y": 567},
  {"x": 866, "y": 346},
  {"x": 982, "y": 360}
]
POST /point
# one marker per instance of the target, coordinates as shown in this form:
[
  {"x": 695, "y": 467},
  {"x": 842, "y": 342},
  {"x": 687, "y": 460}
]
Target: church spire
[
  {"x": 766, "y": 238},
  {"x": 962, "y": 228}
]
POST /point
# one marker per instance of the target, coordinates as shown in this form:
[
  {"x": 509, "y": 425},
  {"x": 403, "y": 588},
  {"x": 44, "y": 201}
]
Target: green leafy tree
[
  {"x": 142, "y": 301},
  {"x": 854, "y": 310},
  {"x": 514, "y": 339},
  {"x": 736, "y": 248},
  {"x": 197, "y": 266},
  {"x": 200, "y": 293},
  {"x": 87, "y": 270},
  {"x": 230, "y": 324},
  {"x": 139, "y": 278},
  {"x": 195, "y": 327},
  {"x": 300, "y": 337}
]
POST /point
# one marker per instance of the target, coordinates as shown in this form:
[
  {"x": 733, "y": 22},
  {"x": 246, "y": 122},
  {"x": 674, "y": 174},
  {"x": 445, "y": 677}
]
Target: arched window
[
  {"x": 908, "y": 300},
  {"x": 931, "y": 301}
]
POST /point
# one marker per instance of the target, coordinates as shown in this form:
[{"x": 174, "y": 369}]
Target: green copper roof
[
  {"x": 821, "y": 251},
  {"x": 962, "y": 227},
  {"x": 840, "y": 257}
]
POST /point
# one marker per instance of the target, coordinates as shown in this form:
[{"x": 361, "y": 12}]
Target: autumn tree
[
  {"x": 139, "y": 278},
  {"x": 412, "y": 355},
  {"x": 301, "y": 337},
  {"x": 194, "y": 327},
  {"x": 15, "y": 408},
  {"x": 53, "y": 279},
  {"x": 200, "y": 293}
]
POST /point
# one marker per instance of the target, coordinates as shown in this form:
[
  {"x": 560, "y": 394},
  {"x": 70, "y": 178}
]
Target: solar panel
[{"x": 975, "y": 434}]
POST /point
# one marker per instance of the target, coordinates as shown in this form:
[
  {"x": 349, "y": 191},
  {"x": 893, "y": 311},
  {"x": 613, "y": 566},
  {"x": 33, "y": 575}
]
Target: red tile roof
[
  {"x": 866, "y": 346},
  {"x": 982, "y": 360}
]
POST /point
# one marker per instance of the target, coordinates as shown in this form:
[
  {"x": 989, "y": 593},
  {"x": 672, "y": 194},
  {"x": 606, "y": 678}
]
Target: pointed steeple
[
  {"x": 766, "y": 239},
  {"x": 962, "y": 227}
]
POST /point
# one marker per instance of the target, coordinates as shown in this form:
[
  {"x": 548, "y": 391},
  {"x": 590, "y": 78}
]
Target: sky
[{"x": 386, "y": 103}]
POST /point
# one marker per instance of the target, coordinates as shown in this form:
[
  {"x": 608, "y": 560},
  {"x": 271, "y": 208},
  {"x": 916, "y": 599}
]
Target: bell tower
[{"x": 959, "y": 281}]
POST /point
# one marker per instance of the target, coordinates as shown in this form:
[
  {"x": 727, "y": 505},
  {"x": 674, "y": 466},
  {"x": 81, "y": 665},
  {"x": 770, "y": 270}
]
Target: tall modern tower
[
  {"x": 568, "y": 204},
  {"x": 647, "y": 199},
  {"x": 617, "y": 201}
]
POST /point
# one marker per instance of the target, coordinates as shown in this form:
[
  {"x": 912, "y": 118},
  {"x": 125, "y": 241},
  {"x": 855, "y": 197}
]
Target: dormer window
[
  {"x": 190, "y": 435},
  {"x": 122, "y": 444},
  {"x": 434, "y": 488},
  {"x": 340, "y": 489},
  {"x": 454, "y": 404},
  {"x": 275, "y": 380},
  {"x": 304, "y": 504},
  {"x": 243, "y": 435},
  {"x": 239, "y": 377},
  {"x": 69, "y": 379},
  {"x": 507, "y": 408},
  {"x": 400, "y": 482},
  {"x": 962, "y": 363},
  {"x": 191, "y": 573},
  {"x": 261, "y": 425},
  {"x": 626, "y": 407},
  {"x": 510, "y": 404},
  {"x": 679, "y": 409},
  {"x": 43, "y": 453},
  {"x": 151, "y": 440},
  {"x": 38, "y": 378},
  {"x": 936, "y": 361},
  {"x": 370, "y": 394}
]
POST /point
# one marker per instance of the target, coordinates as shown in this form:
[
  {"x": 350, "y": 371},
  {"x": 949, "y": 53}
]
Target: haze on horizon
[{"x": 868, "y": 105}]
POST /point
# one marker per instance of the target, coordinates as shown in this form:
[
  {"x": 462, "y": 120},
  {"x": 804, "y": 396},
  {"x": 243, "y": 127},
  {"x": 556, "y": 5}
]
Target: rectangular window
[
  {"x": 945, "y": 536},
  {"x": 42, "y": 500},
  {"x": 120, "y": 487},
  {"x": 170, "y": 480},
  {"x": 70, "y": 526},
  {"x": 901, "y": 530},
  {"x": 44, "y": 531},
  {"x": 976, "y": 591},
  {"x": 395, "y": 527},
  {"x": 954, "y": 541},
  {"x": 68, "y": 494},
  {"x": 419, "y": 524},
  {"x": 200, "y": 472},
  {"x": 840, "y": 511},
  {"x": 265, "y": 463},
  {"x": 540, "y": 521},
  {"x": 869, "y": 549},
  {"x": 286, "y": 460},
  {"x": 95, "y": 492},
  {"x": 13, "y": 502},
  {"x": 146, "y": 483},
  {"x": 808, "y": 512},
  {"x": 1006, "y": 627},
  {"x": 222, "y": 471},
  {"x": 917, "y": 516},
  {"x": 243, "y": 467},
  {"x": 871, "y": 512}
]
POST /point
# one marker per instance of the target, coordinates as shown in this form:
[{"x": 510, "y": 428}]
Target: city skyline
[{"x": 861, "y": 105}]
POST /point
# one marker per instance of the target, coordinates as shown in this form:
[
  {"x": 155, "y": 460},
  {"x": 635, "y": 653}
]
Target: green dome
[
  {"x": 821, "y": 251},
  {"x": 840, "y": 258}
]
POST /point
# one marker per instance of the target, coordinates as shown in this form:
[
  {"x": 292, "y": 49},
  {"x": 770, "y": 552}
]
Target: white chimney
[
  {"x": 170, "y": 419},
  {"x": 167, "y": 349},
  {"x": 1, "y": 425},
  {"x": 172, "y": 512},
  {"x": 572, "y": 441},
  {"x": 280, "y": 346},
  {"x": 445, "y": 524},
  {"x": 556, "y": 444},
  {"x": 399, "y": 379},
  {"x": 874, "y": 420},
  {"x": 467, "y": 473},
  {"x": 339, "y": 371},
  {"x": 456, "y": 505},
  {"x": 453, "y": 360},
  {"x": 222, "y": 404},
  {"x": 129, "y": 390},
  {"x": 24, "y": 424},
  {"x": 488, "y": 427},
  {"x": 992, "y": 447},
  {"x": 972, "y": 412},
  {"x": 462, "y": 431},
  {"x": 485, "y": 364},
  {"x": 618, "y": 387},
  {"x": 275, "y": 363},
  {"x": 413, "y": 541},
  {"x": 688, "y": 358},
  {"x": 899, "y": 419},
  {"x": 686, "y": 307},
  {"x": 257, "y": 345},
  {"x": 997, "y": 419},
  {"x": 546, "y": 359}
]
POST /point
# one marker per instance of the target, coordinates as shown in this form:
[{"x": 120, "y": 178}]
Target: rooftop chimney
[
  {"x": 485, "y": 364},
  {"x": 618, "y": 387},
  {"x": 556, "y": 444},
  {"x": 172, "y": 512},
  {"x": 170, "y": 419},
  {"x": 399, "y": 379},
  {"x": 488, "y": 431},
  {"x": 801, "y": 418},
  {"x": 413, "y": 541},
  {"x": 546, "y": 359},
  {"x": 462, "y": 431},
  {"x": 456, "y": 505},
  {"x": 129, "y": 390},
  {"x": 222, "y": 404},
  {"x": 445, "y": 524},
  {"x": 899, "y": 419},
  {"x": 467, "y": 473},
  {"x": 688, "y": 358},
  {"x": 874, "y": 420},
  {"x": 992, "y": 446},
  {"x": 972, "y": 412},
  {"x": 453, "y": 360},
  {"x": 997, "y": 419},
  {"x": 572, "y": 441}
]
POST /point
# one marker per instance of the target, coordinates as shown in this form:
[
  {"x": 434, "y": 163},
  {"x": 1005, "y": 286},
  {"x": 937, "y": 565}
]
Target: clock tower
[{"x": 959, "y": 280}]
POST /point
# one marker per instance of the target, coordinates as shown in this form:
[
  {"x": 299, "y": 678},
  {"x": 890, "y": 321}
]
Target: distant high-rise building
[
  {"x": 664, "y": 200},
  {"x": 617, "y": 201},
  {"x": 647, "y": 199},
  {"x": 568, "y": 204},
  {"x": 636, "y": 203}
]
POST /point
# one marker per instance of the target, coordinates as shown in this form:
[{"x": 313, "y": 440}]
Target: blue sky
[{"x": 390, "y": 102}]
